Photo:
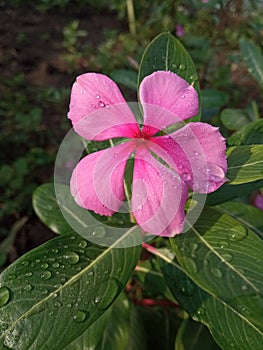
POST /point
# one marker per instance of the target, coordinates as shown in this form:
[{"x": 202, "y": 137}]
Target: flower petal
[
  {"x": 97, "y": 181},
  {"x": 98, "y": 110},
  {"x": 176, "y": 99},
  {"x": 158, "y": 196},
  {"x": 198, "y": 152}
]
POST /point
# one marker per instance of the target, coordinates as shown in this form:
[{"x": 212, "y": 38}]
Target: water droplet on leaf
[
  {"x": 46, "y": 275},
  {"x": 79, "y": 316},
  {"x": 71, "y": 257},
  {"x": 216, "y": 272},
  {"x": 4, "y": 295}
]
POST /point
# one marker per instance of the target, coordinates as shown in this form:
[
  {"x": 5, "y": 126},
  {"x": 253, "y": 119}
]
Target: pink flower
[
  {"x": 258, "y": 201},
  {"x": 194, "y": 155},
  {"x": 179, "y": 29}
]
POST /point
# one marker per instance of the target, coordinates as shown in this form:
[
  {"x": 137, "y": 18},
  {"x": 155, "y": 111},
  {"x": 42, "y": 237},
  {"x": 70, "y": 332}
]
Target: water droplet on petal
[
  {"x": 97, "y": 96},
  {"x": 79, "y": 316},
  {"x": 4, "y": 295},
  {"x": 183, "y": 96},
  {"x": 115, "y": 155},
  {"x": 215, "y": 173},
  {"x": 186, "y": 176},
  {"x": 93, "y": 106},
  {"x": 101, "y": 104},
  {"x": 46, "y": 275},
  {"x": 71, "y": 257}
]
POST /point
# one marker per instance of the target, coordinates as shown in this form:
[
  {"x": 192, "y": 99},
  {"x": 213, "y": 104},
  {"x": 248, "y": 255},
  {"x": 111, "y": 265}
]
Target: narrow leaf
[
  {"x": 249, "y": 135},
  {"x": 245, "y": 164},
  {"x": 254, "y": 59}
]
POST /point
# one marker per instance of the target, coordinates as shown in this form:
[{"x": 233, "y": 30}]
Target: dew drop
[
  {"x": 101, "y": 104},
  {"x": 44, "y": 266},
  {"x": 107, "y": 106},
  {"x": 38, "y": 261},
  {"x": 227, "y": 257},
  {"x": 56, "y": 264},
  {"x": 81, "y": 91},
  {"x": 216, "y": 272},
  {"x": 200, "y": 312},
  {"x": 187, "y": 288},
  {"x": 186, "y": 176},
  {"x": 93, "y": 106},
  {"x": 182, "y": 67},
  {"x": 28, "y": 288},
  {"x": 196, "y": 153},
  {"x": 215, "y": 173},
  {"x": 183, "y": 96},
  {"x": 55, "y": 251},
  {"x": 46, "y": 275},
  {"x": 244, "y": 288},
  {"x": 99, "y": 232},
  {"x": 71, "y": 257},
  {"x": 97, "y": 300},
  {"x": 29, "y": 274},
  {"x": 91, "y": 273},
  {"x": 4, "y": 295},
  {"x": 97, "y": 96},
  {"x": 79, "y": 316},
  {"x": 69, "y": 305},
  {"x": 239, "y": 234},
  {"x": 12, "y": 277},
  {"x": 115, "y": 155},
  {"x": 57, "y": 304},
  {"x": 83, "y": 244},
  {"x": 223, "y": 244},
  {"x": 25, "y": 263}
]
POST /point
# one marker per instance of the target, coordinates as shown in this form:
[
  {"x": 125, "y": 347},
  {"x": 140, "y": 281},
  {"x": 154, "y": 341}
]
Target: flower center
[{"x": 140, "y": 138}]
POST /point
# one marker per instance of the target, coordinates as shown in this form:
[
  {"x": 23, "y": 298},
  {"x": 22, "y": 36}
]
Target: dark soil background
[{"x": 31, "y": 42}]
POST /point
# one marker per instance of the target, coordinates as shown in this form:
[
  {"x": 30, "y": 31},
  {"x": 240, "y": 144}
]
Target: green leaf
[
  {"x": 228, "y": 192},
  {"x": 245, "y": 164},
  {"x": 254, "y": 59},
  {"x": 125, "y": 77},
  {"x": 166, "y": 53},
  {"x": 91, "y": 338},
  {"x": 61, "y": 288},
  {"x": 247, "y": 215},
  {"x": 194, "y": 336},
  {"x": 9, "y": 240},
  {"x": 212, "y": 101},
  {"x": 234, "y": 119},
  {"x": 110, "y": 331},
  {"x": 46, "y": 206},
  {"x": 248, "y": 135},
  {"x": 47, "y": 209},
  {"x": 225, "y": 258},
  {"x": 229, "y": 328}
]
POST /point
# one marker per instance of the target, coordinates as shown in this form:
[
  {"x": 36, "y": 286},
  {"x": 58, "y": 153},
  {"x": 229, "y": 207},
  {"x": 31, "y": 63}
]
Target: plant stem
[{"x": 131, "y": 16}]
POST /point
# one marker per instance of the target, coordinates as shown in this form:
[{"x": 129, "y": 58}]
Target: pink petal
[
  {"x": 176, "y": 99},
  {"x": 98, "y": 110},
  {"x": 97, "y": 181},
  {"x": 158, "y": 196},
  {"x": 198, "y": 152}
]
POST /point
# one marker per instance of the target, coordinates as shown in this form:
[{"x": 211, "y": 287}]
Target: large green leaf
[
  {"x": 166, "y": 53},
  {"x": 253, "y": 58},
  {"x": 248, "y": 135},
  {"x": 194, "y": 336},
  {"x": 228, "y": 192},
  {"x": 230, "y": 328},
  {"x": 52, "y": 294},
  {"x": 248, "y": 215},
  {"x": 245, "y": 164},
  {"x": 225, "y": 258},
  {"x": 235, "y": 119}
]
